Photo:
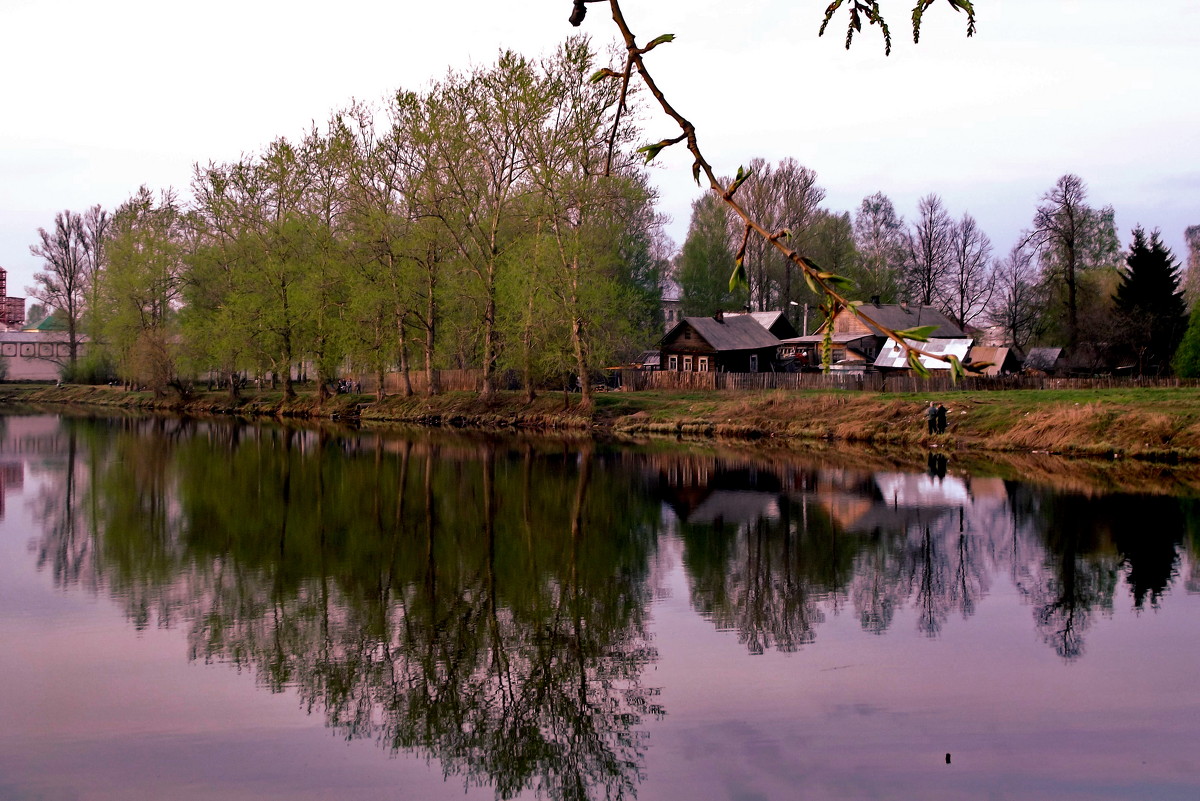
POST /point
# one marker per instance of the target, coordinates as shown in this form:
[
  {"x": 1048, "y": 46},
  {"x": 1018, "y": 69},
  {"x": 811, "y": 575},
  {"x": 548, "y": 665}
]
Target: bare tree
[
  {"x": 63, "y": 283},
  {"x": 928, "y": 245},
  {"x": 1016, "y": 303},
  {"x": 879, "y": 236},
  {"x": 969, "y": 281},
  {"x": 96, "y": 229},
  {"x": 787, "y": 196},
  {"x": 1191, "y": 281},
  {"x": 1070, "y": 237}
]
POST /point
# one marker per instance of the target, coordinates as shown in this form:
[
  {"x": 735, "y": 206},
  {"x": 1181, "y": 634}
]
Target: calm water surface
[{"x": 194, "y": 610}]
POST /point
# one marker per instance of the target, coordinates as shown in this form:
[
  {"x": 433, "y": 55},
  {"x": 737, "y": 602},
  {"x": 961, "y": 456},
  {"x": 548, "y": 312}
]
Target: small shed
[
  {"x": 647, "y": 360},
  {"x": 999, "y": 361},
  {"x": 1044, "y": 360}
]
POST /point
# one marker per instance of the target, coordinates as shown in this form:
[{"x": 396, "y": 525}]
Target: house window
[
  {"x": 754, "y": 362},
  {"x": 687, "y": 364},
  {"x": 673, "y": 362},
  {"x": 702, "y": 364}
]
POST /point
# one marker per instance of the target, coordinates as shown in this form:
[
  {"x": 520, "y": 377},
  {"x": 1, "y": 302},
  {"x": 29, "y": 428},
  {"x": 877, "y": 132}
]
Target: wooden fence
[
  {"x": 638, "y": 380},
  {"x": 641, "y": 380}
]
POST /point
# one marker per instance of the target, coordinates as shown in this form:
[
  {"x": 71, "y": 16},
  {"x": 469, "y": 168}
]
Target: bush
[{"x": 93, "y": 368}]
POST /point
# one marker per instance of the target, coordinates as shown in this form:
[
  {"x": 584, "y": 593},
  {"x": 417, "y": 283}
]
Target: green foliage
[
  {"x": 93, "y": 367},
  {"x": 1186, "y": 361},
  {"x": 137, "y": 295},
  {"x": 706, "y": 261}
]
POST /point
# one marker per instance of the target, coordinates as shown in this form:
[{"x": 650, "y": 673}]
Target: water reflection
[{"x": 486, "y": 602}]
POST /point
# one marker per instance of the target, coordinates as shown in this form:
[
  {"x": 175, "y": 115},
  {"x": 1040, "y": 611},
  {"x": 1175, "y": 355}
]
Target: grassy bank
[{"x": 1138, "y": 423}]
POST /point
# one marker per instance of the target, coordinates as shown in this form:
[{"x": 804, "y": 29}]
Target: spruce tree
[{"x": 1149, "y": 303}]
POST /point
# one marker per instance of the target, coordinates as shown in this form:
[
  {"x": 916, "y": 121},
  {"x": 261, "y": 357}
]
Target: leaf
[
  {"x": 656, "y": 41},
  {"x": 834, "y": 6},
  {"x": 812, "y": 285},
  {"x": 956, "y": 368},
  {"x": 918, "y": 334},
  {"x": 653, "y": 150},
  {"x": 742, "y": 176},
  {"x": 914, "y": 361},
  {"x": 738, "y": 279},
  {"x": 600, "y": 75},
  {"x": 696, "y": 171},
  {"x": 837, "y": 281}
]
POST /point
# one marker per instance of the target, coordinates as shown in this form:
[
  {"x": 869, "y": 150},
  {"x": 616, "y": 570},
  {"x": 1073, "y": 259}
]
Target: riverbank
[{"x": 1154, "y": 424}]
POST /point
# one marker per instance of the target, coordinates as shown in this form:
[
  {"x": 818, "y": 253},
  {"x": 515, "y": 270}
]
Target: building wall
[{"x": 28, "y": 356}]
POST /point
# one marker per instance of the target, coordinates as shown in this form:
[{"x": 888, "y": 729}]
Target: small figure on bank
[
  {"x": 931, "y": 418},
  {"x": 941, "y": 419}
]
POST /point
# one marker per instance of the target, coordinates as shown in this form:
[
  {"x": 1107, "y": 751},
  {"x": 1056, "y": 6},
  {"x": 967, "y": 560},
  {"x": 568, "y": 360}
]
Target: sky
[{"x": 97, "y": 99}]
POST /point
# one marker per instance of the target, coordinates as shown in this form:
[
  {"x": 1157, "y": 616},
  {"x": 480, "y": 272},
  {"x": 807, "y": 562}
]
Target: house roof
[
  {"x": 899, "y": 317},
  {"x": 53, "y": 322},
  {"x": 892, "y": 356},
  {"x": 999, "y": 358},
  {"x": 52, "y": 335},
  {"x": 1042, "y": 358},
  {"x": 648, "y": 358},
  {"x": 837, "y": 339},
  {"x": 734, "y": 332}
]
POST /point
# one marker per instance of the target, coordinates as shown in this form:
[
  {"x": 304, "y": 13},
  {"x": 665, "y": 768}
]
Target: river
[{"x": 216, "y": 609}]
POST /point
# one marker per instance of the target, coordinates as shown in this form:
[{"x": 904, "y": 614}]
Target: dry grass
[{"x": 1148, "y": 424}]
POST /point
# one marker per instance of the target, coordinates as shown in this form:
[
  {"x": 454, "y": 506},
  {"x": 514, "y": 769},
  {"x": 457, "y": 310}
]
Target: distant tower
[{"x": 12, "y": 310}]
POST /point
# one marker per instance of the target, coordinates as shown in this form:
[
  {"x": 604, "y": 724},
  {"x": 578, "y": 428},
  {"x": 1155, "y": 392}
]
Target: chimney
[
  {"x": 719, "y": 316},
  {"x": 875, "y": 301}
]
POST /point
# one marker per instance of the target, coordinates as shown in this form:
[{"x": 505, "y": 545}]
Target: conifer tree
[{"x": 1149, "y": 304}]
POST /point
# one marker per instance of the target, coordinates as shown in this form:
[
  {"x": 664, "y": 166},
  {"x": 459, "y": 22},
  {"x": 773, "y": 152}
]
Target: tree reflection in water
[
  {"x": 488, "y": 612},
  {"x": 485, "y": 602}
]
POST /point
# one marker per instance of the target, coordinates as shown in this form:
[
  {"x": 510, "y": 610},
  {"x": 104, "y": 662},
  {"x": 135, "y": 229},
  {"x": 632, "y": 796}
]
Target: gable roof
[
  {"x": 734, "y": 332},
  {"x": 769, "y": 320},
  {"x": 894, "y": 357},
  {"x": 1043, "y": 359},
  {"x": 1000, "y": 360},
  {"x": 898, "y": 317}
]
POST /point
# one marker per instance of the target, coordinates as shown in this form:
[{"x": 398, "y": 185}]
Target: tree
[
  {"x": 62, "y": 285},
  {"x": 1186, "y": 361},
  {"x": 1016, "y": 304},
  {"x": 1072, "y": 237},
  {"x": 1149, "y": 304},
  {"x": 96, "y": 224},
  {"x": 782, "y": 197},
  {"x": 1191, "y": 288},
  {"x": 138, "y": 293},
  {"x": 474, "y": 126},
  {"x": 706, "y": 260},
  {"x": 928, "y": 246},
  {"x": 879, "y": 239},
  {"x": 968, "y": 282},
  {"x": 830, "y": 284}
]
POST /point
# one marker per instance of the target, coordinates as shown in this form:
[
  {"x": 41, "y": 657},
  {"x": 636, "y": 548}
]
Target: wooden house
[
  {"x": 855, "y": 340},
  {"x": 734, "y": 343}
]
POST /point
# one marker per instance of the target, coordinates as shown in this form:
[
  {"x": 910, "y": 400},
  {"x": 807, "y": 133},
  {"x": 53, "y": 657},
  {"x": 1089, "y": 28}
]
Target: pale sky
[{"x": 100, "y": 98}]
